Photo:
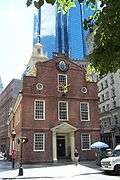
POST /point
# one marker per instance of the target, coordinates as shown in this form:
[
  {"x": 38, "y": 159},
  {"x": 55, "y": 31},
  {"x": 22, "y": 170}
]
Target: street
[{"x": 61, "y": 172}]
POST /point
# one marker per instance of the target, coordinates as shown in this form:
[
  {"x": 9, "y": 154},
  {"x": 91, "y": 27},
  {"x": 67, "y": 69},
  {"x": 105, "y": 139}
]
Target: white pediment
[{"x": 64, "y": 128}]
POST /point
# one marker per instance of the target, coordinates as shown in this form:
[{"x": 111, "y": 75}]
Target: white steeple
[{"x": 37, "y": 56}]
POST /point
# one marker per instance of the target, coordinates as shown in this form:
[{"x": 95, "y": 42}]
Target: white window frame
[
  {"x": 43, "y": 142},
  {"x": 59, "y": 83},
  {"x": 88, "y": 111},
  {"x": 82, "y": 142},
  {"x": 43, "y": 109},
  {"x": 59, "y": 110}
]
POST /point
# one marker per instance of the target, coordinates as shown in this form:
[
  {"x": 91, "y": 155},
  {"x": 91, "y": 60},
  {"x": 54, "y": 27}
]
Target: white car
[{"x": 112, "y": 164}]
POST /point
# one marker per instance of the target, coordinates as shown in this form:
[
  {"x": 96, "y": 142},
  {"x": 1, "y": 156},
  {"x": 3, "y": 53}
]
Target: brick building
[
  {"x": 7, "y": 99},
  {"x": 57, "y": 111}
]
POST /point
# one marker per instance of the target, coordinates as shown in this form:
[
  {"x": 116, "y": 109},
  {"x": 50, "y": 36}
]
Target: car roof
[{"x": 117, "y": 147}]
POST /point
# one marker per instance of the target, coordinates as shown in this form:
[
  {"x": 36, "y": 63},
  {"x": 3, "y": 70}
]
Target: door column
[
  {"x": 54, "y": 146},
  {"x": 72, "y": 142}
]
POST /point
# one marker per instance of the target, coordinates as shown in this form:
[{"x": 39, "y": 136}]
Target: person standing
[{"x": 76, "y": 157}]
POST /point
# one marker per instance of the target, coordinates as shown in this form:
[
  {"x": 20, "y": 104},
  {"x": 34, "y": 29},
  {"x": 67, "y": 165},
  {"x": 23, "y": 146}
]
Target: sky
[{"x": 16, "y": 38}]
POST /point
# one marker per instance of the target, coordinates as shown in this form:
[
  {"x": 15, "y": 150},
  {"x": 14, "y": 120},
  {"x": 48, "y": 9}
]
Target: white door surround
[{"x": 68, "y": 131}]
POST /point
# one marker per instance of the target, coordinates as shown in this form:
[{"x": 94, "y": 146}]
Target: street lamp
[
  {"x": 13, "y": 135},
  {"x": 23, "y": 140}
]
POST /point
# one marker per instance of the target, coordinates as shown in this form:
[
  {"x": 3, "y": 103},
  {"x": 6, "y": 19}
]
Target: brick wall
[{"x": 47, "y": 74}]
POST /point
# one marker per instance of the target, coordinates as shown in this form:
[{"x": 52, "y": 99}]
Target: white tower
[{"x": 37, "y": 56}]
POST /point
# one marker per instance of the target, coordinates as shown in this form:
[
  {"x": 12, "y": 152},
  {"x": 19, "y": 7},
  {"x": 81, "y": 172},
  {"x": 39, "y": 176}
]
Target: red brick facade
[{"x": 26, "y": 125}]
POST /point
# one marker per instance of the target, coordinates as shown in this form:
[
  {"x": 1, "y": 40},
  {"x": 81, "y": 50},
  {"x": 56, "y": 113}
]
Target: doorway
[{"x": 60, "y": 147}]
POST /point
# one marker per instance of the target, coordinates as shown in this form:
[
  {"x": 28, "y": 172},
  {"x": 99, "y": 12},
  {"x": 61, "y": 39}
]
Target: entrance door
[{"x": 60, "y": 147}]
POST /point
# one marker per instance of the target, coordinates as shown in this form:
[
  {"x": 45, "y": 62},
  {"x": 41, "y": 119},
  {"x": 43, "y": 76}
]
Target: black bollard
[
  {"x": 20, "y": 167},
  {"x": 13, "y": 163},
  {"x": 20, "y": 171}
]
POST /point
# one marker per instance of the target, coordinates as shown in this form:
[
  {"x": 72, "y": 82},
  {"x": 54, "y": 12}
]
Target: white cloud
[{"x": 48, "y": 20}]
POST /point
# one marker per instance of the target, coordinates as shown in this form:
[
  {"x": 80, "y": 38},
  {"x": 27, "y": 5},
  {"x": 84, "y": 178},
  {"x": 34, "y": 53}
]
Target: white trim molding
[
  {"x": 59, "y": 110},
  {"x": 43, "y": 136},
  {"x": 83, "y": 149},
  {"x": 88, "y": 111},
  {"x": 39, "y": 100},
  {"x": 59, "y": 85}
]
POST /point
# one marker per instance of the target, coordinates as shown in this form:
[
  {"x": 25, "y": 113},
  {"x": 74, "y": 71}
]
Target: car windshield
[{"x": 116, "y": 153}]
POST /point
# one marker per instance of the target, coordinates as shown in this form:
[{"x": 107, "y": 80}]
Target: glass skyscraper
[{"x": 59, "y": 32}]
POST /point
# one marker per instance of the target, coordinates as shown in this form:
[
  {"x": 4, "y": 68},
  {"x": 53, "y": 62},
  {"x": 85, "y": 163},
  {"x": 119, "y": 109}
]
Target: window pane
[
  {"x": 39, "y": 142},
  {"x": 39, "y": 109},
  {"x": 84, "y": 111},
  {"x": 63, "y": 110},
  {"x": 85, "y": 141},
  {"x": 62, "y": 82}
]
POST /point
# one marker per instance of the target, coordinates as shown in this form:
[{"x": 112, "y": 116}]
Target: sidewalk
[
  {"x": 91, "y": 164},
  {"x": 50, "y": 171}
]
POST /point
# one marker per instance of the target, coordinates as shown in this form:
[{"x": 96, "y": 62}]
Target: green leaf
[
  {"x": 72, "y": 4},
  {"x": 51, "y": 1},
  {"x": 29, "y": 2},
  {"x": 38, "y": 4},
  {"x": 80, "y": 1},
  {"x": 85, "y": 24}
]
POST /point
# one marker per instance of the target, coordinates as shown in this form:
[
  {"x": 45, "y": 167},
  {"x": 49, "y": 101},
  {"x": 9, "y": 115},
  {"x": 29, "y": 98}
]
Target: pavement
[
  {"x": 90, "y": 164},
  {"x": 50, "y": 171}
]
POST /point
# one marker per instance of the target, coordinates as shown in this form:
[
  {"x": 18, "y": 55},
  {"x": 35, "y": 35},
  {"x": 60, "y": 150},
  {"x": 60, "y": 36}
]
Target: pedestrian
[{"x": 76, "y": 157}]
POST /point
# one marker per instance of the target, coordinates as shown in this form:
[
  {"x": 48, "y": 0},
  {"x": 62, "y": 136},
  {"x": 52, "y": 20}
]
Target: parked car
[{"x": 112, "y": 163}]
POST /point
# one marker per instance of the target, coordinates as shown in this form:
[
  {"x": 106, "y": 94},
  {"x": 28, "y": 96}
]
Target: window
[
  {"x": 107, "y": 107},
  {"x": 105, "y": 124},
  {"x": 39, "y": 142},
  {"x": 84, "y": 111},
  {"x": 39, "y": 110},
  {"x": 101, "y": 86},
  {"x": 99, "y": 99},
  {"x": 99, "y": 110},
  {"x": 85, "y": 141},
  {"x": 112, "y": 92},
  {"x": 111, "y": 79},
  {"x": 106, "y": 83},
  {"x": 38, "y": 50},
  {"x": 109, "y": 120},
  {"x": 107, "y": 95},
  {"x": 102, "y": 97},
  {"x": 103, "y": 109},
  {"x": 63, "y": 110},
  {"x": 62, "y": 81},
  {"x": 114, "y": 104},
  {"x": 116, "y": 119}
]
